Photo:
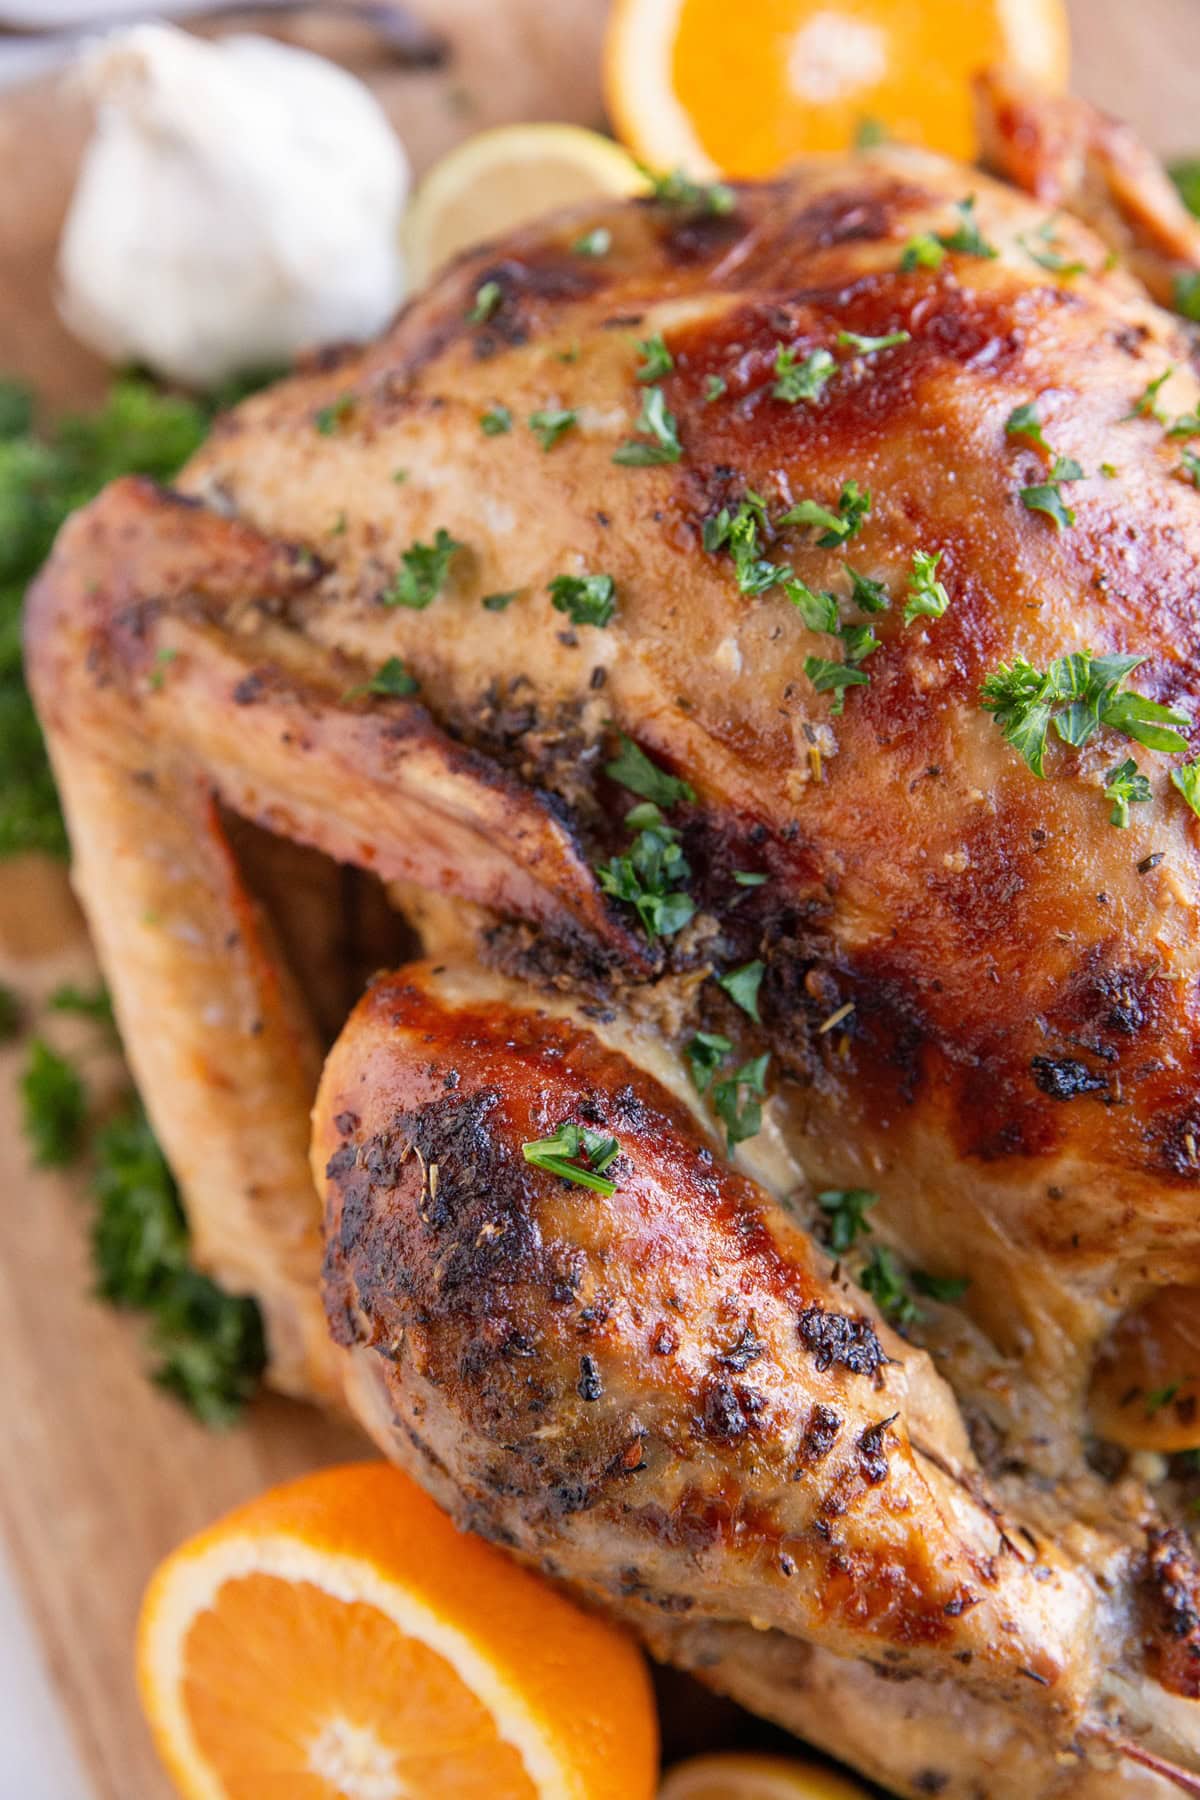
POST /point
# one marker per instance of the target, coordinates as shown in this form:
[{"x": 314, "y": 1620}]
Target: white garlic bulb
[{"x": 238, "y": 202}]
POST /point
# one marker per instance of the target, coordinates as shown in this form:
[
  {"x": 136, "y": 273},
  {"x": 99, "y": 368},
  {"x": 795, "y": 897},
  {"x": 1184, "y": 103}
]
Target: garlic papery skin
[{"x": 239, "y": 201}]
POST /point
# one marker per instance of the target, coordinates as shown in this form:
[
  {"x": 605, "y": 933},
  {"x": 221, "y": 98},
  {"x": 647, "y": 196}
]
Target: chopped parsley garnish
[
  {"x": 487, "y": 299},
  {"x": 423, "y": 571},
  {"x": 597, "y": 242},
  {"x": 498, "y": 602},
  {"x": 650, "y": 876},
  {"x": 1046, "y": 496},
  {"x": 54, "y": 1106},
  {"x": 739, "y": 532},
  {"x": 817, "y": 609},
  {"x": 586, "y": 599},
  {"x": 1040, "y": 248},
  {"x": 867, "y": 346},
  {"x": 1189, "y": 466},
  {"x": 749, "y": 878},
  {"x": 714, "y": 387},
  {"x": 331, "y": 418},
  {"x": 1146, "y": 405},
  {"x": 869, "y": 134},
  {"x": 658, "y": 424},
  {"x": 10, "y": 1013},
  {"x": 551, "y": 423},
  {"x": 869, "y": 596},
  {"x": 922, "y": 252},
  {"x": 391, "y": 680},
  {"x": 495, "y": 421},
  {"x": 859, "y": 642},
  {"x": 1078, "y": 694},
  {"x": 705, "y": 1054},
  {"x": 577, "y": 1154},
  {"x": 678, "y": 189},
  {"x": 1023, "y": 422},
  {"x": 881, "y": 1278},
  {"x": 801, "y": 381},
  {"x": 163, "y": 659},
  {"x": 1186, "y": 176},
  {"x": 742, "y": 986},
  {"x": 16, "y": 410},
  {"x": 946, "y": 1288},
  {"x": 1187, "y": 424},
  {"x": 834, "y": 677},
  {"x": 966, "y": 238},
  {"x": 633, "y": 769},
  {"x": 1125, "y": 785},
  {"x": 85, "y": 1003},
  {"x": 1187, "y": 779},
  {"x": 1186, "y": 299},
  {"x": 854, "y": 503},
  {"x": 658, "y": 360},
  {"x": 737, "y": 1100},
  {"x": 846, "y": 1209},
  {"x": 927, "y": 598}
]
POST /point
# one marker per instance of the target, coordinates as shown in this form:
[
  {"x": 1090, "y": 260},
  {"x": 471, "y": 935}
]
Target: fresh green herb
[
  {"x": 391, "y": 680},
  {"x": 966, "y": 238},
  {"x": 1146, "y": 405},
  {"x": 399, "y": 476},
  {"x": 1157, "y": 1398},
  {"x": 737, "y": 1100},
  {"x": 1186, "y": 176},
  {"x": 854, "y": 503},
  {"x": 1189, "y": 466},
  {"x": 927, "y": 598},
  {"x": 818, "y": 609},
  {"x": 1108, "y": 470},
  {"x": 16, "y": 410},
  {"x": 867, "y": 346},
  {"x": 869, "y": 134},
  {"x": 586, "y": 599},
  {"x": 495, "y": 421},
  {"x": 1187, "y": 779},
  {"x": 847, "y": 1209},
  {"x": 552, "y": 423},
  {"x": 886, "y": 1285},
  {"x": 423, "y": 572},
  {"x": 209, "y": 1343},
  {"x": 869, "y": 596},
  {"x": 633, "y": 769},
  {"x": 498, "y": 602},
  {"x": 834, "y": 677},
  {"x": 569, "y": 355},
  {"x": 801, "y": 381},
  {"x": 597, "y": 242},
  {"x": 1187, "y": 296},
  {"x": 651, "y": 875},
  {"x": 1046, "y": 496},
  {"x": 714, "y": 387},
  {"x": 577, "y": 1154},
  {"x": 739, "y": 532},
  {"x": 55, "y": 1106},
  {"x": 487, "y": 299},
  {"x": 705, "y": 1054},
  {"x": 749, "y": 878},
  {"x": 1187, "y": 425},
  {"x": 742, "y": 986},
  {"x": 659, "y": 424},
  {"x": 11, "y": 1013},
  {"x": 946, "y": 1288},
  {"x": 922, "y": 252},
  {"x": 1078, "y": 693},
  {"x": 1040, "y": 248},
  {"x": 658, "y": 359},
  {"x": 1124, "y": 785},
  {"x": 86, "y": 1003},
  {"x": 158, "y": 670},
  {"x": 859, "y": 642},
  {"x": 678, "y": 189},
  {"x": 331, "y": 418},
  {"x": 1023, "y": 422}
]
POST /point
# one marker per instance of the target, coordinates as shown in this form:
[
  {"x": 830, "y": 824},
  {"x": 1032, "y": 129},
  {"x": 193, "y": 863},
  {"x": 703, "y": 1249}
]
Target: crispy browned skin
[{"x": 979, "y": 998}]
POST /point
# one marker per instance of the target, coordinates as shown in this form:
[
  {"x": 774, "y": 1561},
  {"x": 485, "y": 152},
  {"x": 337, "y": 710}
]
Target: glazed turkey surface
[{"x": 978, "y": 997}]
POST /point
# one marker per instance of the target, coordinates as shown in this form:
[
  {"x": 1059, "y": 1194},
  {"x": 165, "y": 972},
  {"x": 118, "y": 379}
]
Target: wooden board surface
[{"x": 104, "y": 1474}]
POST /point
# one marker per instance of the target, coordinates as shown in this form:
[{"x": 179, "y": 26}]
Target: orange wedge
[
  {"x": 692, "y": 85},
  {"x": 338, "y": 1639},
  {"x": 732, "y": 1775}
]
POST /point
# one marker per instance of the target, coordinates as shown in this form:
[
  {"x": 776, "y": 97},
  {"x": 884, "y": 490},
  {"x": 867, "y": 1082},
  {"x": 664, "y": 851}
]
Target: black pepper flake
[
  {"x": 346, "y": 1122},
  {"x": 589, "y": 1386},
  {"x": 1150, "y": 862},
  {"x": 741, "y": 1354}
]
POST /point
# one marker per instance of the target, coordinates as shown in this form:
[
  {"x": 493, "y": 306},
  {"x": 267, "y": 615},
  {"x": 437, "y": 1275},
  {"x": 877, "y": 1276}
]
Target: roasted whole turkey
[{"x": 758, "y": 662}]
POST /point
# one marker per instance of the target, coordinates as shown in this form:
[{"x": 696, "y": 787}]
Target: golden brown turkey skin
[{"x": 667, "y": 1397}]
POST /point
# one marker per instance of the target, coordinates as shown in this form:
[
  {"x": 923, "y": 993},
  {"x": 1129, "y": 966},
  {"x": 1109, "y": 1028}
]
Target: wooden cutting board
[{"x": 104, "y": 1474}]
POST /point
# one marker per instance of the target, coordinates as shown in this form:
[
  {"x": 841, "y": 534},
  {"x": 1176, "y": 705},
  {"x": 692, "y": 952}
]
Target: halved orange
[
  {"x": 735, "y": 1775},
  {"x": 338, "y": 1639},
  {"x": 692, "y": 85}
]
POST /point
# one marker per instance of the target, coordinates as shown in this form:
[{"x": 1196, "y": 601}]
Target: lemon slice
[
  {"x": 734, "y": 1776},
  {"x": 503, "y": 178}
]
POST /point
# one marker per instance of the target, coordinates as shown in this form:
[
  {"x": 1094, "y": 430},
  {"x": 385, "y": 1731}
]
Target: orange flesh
[
  {"x": 1146, "y": 1389},
  {"x": 807, "y": 74},
  {"x": 279, "y": 1666}
]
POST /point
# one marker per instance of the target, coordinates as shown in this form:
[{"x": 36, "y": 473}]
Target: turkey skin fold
[{"x": 833, "y": 1384}]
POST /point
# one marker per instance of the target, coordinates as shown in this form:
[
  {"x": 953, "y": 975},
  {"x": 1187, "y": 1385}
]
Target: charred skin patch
[{"x": 1171, "y": 1613}]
